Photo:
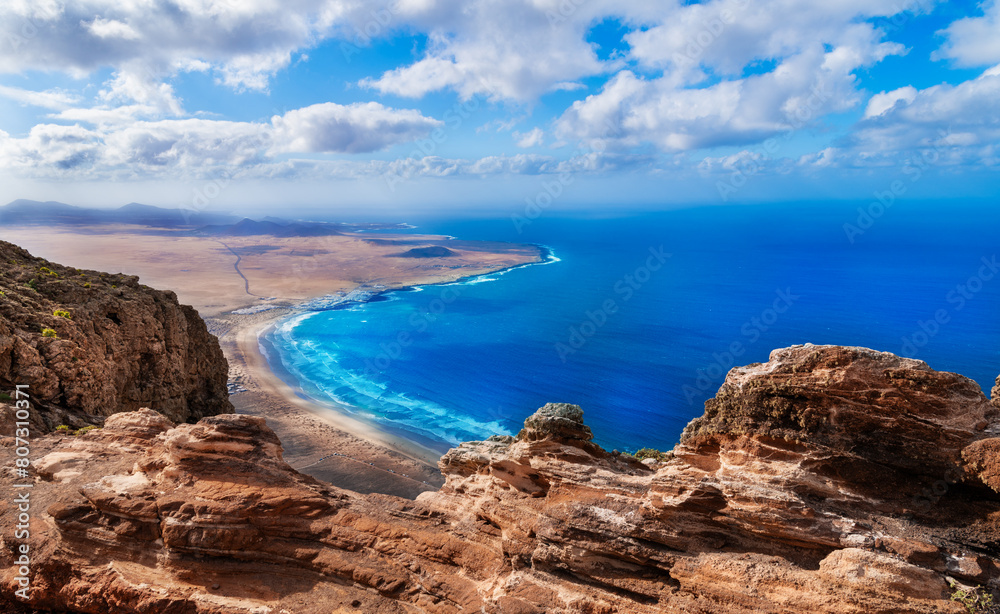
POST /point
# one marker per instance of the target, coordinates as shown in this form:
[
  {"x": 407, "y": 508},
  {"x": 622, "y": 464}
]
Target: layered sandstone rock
[
  {"x": 804, "y": 488},
  {"x": 90, "y": 344},
  {"x": 996, "y": 393}
]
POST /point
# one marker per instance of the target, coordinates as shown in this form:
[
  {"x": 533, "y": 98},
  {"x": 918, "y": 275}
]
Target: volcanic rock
[
  {"x": 828, "y": 480},
  {"x": 90, "y": 344}
]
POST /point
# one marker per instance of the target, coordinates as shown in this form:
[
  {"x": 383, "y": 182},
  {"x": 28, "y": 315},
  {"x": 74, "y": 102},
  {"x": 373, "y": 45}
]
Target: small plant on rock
[
  {"x": 47, "y": 271},
  {"x": 644, "y": 453},
  {"x": 976, "y": 600},
  {"x": 48, "y": 332},
  {"x": 86, "y": 429},
  {"x": 62, "y": 313},
  {"x": 62, "y": 428}
]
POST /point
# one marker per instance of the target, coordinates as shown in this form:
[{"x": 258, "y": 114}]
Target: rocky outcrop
[
  {"x": 996, "y": 394},
  {"x": 804, "y": 488},
  {"x": 90, "y": 344}
]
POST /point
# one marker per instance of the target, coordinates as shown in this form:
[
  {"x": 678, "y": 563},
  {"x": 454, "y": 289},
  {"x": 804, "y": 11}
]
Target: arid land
[{"x": 218, "y": 275}]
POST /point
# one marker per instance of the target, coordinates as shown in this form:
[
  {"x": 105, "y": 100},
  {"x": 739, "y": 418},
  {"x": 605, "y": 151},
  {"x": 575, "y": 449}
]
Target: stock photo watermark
[
  {"x": 914, "y": 168},
  {"x": 376, "y": 26},
  {"x": 754, "y": 164},
  {"x": 418, "y": 323},
  {"x": 625, "y": 288},
  {"x": 957, "y": 298},
  {"x": 751, "y": 331},
  {"x": 21, "y": 502},
  {"x": 553, "y": 189}
]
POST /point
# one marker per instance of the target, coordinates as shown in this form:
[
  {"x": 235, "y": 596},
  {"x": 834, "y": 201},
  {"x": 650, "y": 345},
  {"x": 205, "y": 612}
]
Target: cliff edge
[
  {"x": 828, "y": 480},
  {"x": 91, "y": 344}
]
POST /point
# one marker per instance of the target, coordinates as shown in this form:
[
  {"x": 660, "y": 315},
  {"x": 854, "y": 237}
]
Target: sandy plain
[{"x": 221, "y": 274}]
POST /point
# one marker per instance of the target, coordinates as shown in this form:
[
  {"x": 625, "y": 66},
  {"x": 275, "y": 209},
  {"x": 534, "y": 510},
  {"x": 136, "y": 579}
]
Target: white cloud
[
  {"x": 120, "y": 145},
  {"x": 110, "y": 28},
  {"x": 137, "y": 83},
  {"x": 957, "y": 124},
  {"x": 974, "y": 41},
  {"x": 57, "y": 149},
  {"x": 49, "y": 99},
  {"x": 355, "y": 128},
  {"x": 501, "y": 49},
  {"x": 884, "y": 101},
  {"x": 529, "y": 139},
  {"x": 244, "y": 42},
  {"x": 800, "y": 57}
]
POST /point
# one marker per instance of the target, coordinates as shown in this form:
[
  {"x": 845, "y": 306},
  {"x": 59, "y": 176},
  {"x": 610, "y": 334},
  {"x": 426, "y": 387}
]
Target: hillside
[{"x": 92, "y": 344}]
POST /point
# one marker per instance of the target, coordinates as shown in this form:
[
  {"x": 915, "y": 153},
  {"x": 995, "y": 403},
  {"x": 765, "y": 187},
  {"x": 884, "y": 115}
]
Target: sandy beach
[{"x": 275, "y": 274}]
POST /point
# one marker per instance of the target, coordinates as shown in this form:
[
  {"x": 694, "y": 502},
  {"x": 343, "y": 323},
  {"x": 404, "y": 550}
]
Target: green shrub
[
  {"x": 62, "y": 313},
  {"x": 62, "y": 428},
  {"x": 86, "y": 429},
  {"x": 86, "y": 285},
  {"x": 644, "y": 453},
  {"x": 976, "y": 600},
  {"x": 47, "y": 271},
  {"x": 33, "y": 284},
  {"x": 5, "y": 397},
  {"x": 48, "y": 332}
]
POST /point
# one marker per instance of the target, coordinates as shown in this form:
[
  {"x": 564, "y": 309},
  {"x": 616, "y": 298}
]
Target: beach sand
[{"x": 223, "y": 274}]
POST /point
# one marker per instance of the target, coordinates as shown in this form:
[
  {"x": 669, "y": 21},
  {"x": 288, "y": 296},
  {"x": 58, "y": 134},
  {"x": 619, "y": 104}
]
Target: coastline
[{"x": 323, "y": 439}]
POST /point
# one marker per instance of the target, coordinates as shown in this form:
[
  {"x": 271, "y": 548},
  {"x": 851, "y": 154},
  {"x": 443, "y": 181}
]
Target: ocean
[{"x": 637, "y": 318}]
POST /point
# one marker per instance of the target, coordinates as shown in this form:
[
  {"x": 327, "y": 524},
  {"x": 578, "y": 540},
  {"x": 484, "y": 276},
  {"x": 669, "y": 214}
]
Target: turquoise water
[{"x": 637, "y": 319}]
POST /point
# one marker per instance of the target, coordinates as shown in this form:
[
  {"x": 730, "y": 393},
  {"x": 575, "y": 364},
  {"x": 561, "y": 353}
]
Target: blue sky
[{"x": 473, "y": 105}]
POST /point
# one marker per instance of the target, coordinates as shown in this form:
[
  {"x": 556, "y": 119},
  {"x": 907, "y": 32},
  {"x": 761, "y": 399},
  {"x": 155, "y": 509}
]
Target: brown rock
[
  {"x": 891, "y": 411},
  {"x": 764, "y": 507},
  {"x": 982, "y": 460},
  {"x": 118, "y": 345},
  {"x": 995, "y": 396}
]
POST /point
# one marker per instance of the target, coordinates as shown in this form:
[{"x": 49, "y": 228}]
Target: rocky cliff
[
  {"x": 91, "y": 344},
  {"x": 828, "y": 480}
]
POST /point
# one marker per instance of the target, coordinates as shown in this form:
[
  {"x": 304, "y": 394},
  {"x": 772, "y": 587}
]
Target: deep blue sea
[{"x": 638, "y": 318}]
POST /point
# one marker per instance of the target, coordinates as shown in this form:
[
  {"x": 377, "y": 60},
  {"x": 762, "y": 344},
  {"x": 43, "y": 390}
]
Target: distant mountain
[
  {"x": 23, "y": 211},
  {"x": 247, "y": 227},
  {"x": 34, "y": 212},
  {"x": 434, "y": 251}
]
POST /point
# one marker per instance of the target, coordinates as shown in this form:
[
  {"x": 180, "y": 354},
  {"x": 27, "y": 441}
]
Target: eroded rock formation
[
  {"x": 90, "y": 344},
  {"x": 996, "y": 393},
  {"x": 828, "y": 480}
]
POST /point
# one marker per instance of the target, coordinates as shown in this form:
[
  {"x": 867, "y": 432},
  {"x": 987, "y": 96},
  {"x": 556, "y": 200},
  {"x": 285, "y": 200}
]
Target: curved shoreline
[
  {"x": 291, "y": 386},
  {"x": 248, "y": 340}
]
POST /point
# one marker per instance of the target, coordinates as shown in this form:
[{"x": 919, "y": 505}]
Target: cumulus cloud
[
  {"x": 121, "y": 143},
  {"x": 244, "y": 42},
  {"x": 110, "y": 28},
  {"x": 800, "y": 57},
  {"x": 974, "y": 41},
  {"x": 355, "y": 128},
  {"x": 957, "y": 124},
  {"x": 51, "y": 147},
  {"x": 501, "y": 49},
  {"x": 532, "y": 138},
  {"x": 884, "y": 101}
]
